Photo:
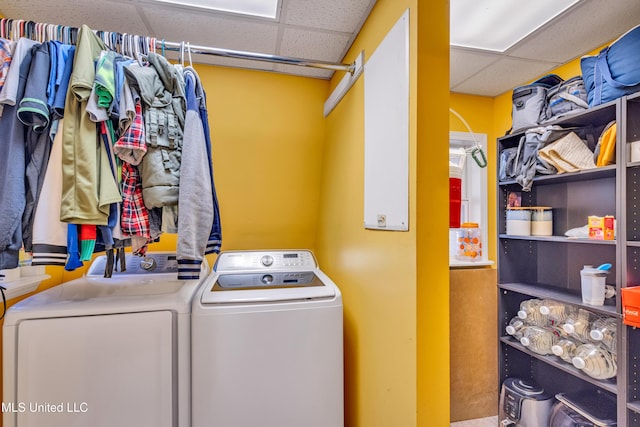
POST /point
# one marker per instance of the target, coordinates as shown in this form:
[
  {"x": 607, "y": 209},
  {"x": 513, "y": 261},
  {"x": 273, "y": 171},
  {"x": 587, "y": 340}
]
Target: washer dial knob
[
  {"x": 148, "y": 264},
  {"x": 267, "y": 260}
]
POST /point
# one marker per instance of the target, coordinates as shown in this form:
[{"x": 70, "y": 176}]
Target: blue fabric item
[
  {"x": 614, "y": 72},
  {"x": 119, "y": 64},
  {"x": 53, "y": 68},
  {"x": 61, "y": 92},
  {"x": 59, "y": 53},
  {"x": 73, "y": 249}
]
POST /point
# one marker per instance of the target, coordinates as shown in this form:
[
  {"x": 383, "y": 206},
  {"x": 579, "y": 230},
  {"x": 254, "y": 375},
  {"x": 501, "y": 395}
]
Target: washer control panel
[
  {"x": 153, "y": 263},
  {"x": 265, "y": 260},
  {"x": 266, "y": 280}
]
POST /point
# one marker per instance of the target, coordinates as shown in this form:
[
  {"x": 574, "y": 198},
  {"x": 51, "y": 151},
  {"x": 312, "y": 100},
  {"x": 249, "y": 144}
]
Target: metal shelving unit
[{"x": 549, "y": 267}]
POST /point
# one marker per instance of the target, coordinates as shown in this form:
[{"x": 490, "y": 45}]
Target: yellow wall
[
  {"x": 395, "y": 284},
  {"x": 477, "y": 111}
]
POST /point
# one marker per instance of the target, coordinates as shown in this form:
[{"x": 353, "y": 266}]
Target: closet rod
[
  {"x": 11, "y": 28},
  {"x": 238, "y": 54}
]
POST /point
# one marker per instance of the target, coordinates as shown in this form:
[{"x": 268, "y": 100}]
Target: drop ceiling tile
[
  {"x": 502, "y": 76},
  {"x": 465, "y": 63},
  {"x": 313, "y": 44},
  {"x": 109, "y": 16},
  {"x": 207, "y": 29},
  {"x": 333, "y": 15},
  {"x": 590, "y": 25}
]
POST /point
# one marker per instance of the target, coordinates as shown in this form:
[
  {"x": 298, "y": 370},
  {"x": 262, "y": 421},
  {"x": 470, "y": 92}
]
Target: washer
[
  {"x": 102, "y": 352},
  {"x": 267, "y": 343}
]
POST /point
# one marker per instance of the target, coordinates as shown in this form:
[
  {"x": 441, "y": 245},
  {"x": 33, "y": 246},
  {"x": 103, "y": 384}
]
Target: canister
[
  {"x": 469, "y": 242},
  {"x": 519, "y": 221},
  {"x": 541, "y": 221}
]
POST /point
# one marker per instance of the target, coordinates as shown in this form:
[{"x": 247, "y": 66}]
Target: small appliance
[
  {"x": 583, "y": 409},
  {"x": 524, "y": 404}
]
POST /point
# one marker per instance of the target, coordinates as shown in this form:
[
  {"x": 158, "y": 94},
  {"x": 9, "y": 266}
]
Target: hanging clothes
[
  {"x": 13, "y": 156},
  {"x": 33, "y": 112},
  {"x": 69, "y": 165},
  {"x": 49, "y": 233},
  {"x": 196, "y": 200},
  {"x": 88, "y": 184},
  {"x": 214, "y": 242},
  {"x": 198, "y": 210},
  {"x": 161, "y": 89}
]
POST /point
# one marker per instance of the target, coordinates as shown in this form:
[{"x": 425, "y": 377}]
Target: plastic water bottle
[
  {"x": 515, "y": 326},
  {"x": 539, "y": 339},
  {"x": 604, "y": 331},
  {"x": 578, "y": 325},
  {"x": 565, "y": 349},
  {"x": 595, "y": 361},
  {"x": 556, "y": 311},
  {"x": 530, "y": 312}
]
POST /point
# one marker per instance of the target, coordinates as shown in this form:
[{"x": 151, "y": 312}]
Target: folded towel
[{"x": 568, "y": 154}]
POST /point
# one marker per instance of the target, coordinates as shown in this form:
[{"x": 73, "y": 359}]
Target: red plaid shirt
[
  {"x": 131, "y": 147},
  {"x": 134, "y": 220}
]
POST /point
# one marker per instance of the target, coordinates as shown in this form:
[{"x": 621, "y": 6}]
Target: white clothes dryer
[
  {"x": 267, "y": 344},
  {"x": 102, "y": 352}
]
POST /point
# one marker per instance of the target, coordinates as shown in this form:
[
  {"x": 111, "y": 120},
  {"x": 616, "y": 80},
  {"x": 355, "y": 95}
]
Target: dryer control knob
[
  {"x": 267, "y": 279},
  {"x": 267, "y": 260},
  {"x": 148, "y": 263}
]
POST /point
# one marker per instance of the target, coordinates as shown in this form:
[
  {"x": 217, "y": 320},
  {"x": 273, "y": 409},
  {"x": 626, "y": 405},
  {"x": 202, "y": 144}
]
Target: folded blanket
[{"x": 568, "y": 154}]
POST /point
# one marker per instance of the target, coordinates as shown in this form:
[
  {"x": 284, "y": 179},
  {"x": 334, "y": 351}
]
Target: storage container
[
  {"x": 469, "y": 242},
  {"x": 519, "y": 221},
  {"x": 541, "y": 221}
]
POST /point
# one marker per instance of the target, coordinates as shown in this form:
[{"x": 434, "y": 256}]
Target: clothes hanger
[{"x": 189, "y": 51}]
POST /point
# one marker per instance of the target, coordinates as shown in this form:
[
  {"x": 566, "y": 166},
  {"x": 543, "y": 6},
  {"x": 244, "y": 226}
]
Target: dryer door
[{"x": 109, "y": 370}]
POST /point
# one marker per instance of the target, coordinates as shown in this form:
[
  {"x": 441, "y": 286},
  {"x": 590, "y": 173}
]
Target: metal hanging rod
[
  {"x": 238, "y": 54},
  {"x": 10, "y": 28}
]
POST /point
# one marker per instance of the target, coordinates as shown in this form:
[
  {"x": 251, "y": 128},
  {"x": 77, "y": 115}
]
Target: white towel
[{"x": 568, "y": 154}]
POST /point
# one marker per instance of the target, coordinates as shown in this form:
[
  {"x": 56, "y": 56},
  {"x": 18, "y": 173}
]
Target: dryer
[
  {"x": 100, "y": 351},
  {"x": 267, "y": 343}
]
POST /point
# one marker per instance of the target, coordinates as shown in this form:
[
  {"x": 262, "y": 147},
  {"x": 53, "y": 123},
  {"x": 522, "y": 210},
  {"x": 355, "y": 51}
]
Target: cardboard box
[{"x": 601, "y": 227}]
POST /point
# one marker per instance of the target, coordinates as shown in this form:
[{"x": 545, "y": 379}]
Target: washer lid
[
  {"x": 142, "y": 287},
  {"x": 266, "y": 287}
]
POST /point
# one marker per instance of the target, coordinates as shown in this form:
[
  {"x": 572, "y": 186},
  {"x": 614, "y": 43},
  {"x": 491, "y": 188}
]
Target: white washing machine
[
  {"x": 267, "y": 344},
  {"x": 99, "y": 352}
]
